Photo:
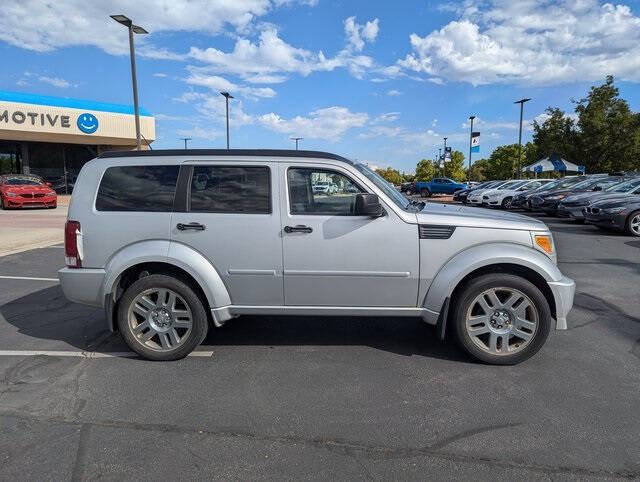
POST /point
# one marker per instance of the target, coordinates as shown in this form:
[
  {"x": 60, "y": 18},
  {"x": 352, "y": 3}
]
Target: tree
[
  {"x": 609, "y": 133},
  {"x": 426, "y": 170},
  {"x": 556, "y": 135},
  {"x": 391, "y": 175},
  {"x": 455, "y": 167},
  {"x": 503, "y": 162},
  {"x": 478, "y": 168}
]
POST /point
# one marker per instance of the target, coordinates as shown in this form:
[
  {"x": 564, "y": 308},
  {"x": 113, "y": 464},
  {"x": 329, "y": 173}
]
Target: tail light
[{"x": 73, "y": 244}]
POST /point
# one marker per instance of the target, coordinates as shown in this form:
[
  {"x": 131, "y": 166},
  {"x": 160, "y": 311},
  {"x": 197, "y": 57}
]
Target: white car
[
  {"x": 475, "y": 197},
  {"x": 501, "y": 198}
]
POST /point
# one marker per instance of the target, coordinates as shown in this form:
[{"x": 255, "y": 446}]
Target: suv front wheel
[
  {"x": 501, "y": 319},
  {"x": 161, "y": 318}
]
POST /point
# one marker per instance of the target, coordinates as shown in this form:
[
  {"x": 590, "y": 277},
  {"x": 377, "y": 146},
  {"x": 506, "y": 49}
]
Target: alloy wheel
[
  {"x": 160, "y": 319},
  {"x": 634, "y": 224},
  {"x": 502, "y": 321}
]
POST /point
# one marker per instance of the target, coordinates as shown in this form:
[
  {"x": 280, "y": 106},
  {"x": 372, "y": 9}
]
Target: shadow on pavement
[{"x": 46, "y": 314}]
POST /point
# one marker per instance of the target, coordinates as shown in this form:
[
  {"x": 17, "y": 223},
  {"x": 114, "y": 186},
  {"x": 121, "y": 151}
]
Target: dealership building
[{"x": 54, "y": 136}]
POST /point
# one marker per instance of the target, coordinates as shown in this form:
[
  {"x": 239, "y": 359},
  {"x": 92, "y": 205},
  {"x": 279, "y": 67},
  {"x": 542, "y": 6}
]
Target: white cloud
[
  {"x": 220, "y": 84},
  {"x": 328, "y": 123},
  {"x": 45, "y": 25},
  {"x": 198, "y": 132},
  {"x": 212, "y": 106},
  {"x": 270, "y": 58},
  {"x": 387, "y": 117},
  {"x": 358, "y": 35},
  {"x": 530, "y": 41},
  {"x": 394, "y": 93},
  {"x": 55, "y": 81},
  {"x": 160, "y": 74}
]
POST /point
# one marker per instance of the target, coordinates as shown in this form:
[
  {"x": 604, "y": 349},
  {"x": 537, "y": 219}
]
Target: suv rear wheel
[
  {"x": 501, "y": 319},
  {"x": 162, "y": 318}
]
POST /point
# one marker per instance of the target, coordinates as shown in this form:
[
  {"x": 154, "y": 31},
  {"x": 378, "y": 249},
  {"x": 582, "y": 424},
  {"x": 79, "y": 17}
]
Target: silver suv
[{"x": 170, "y": 243}]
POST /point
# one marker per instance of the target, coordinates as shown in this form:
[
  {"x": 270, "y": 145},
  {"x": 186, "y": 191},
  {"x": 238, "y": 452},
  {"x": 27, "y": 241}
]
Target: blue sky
[{"x": 378, "y": 81}]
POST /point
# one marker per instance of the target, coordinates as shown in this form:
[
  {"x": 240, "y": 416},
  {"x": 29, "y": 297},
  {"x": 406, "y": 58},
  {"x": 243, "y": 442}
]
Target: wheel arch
[
  {"x": 161, "y": 257},
  {"x": 483, "y": 259}
]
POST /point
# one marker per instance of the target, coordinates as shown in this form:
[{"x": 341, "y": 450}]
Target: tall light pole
[
  {"x": 470, "y": 147},
  {"x": 227, "y": 96},
  {"x": 185, "y": 139},
  {"x": 296, "y": 139},
  {"x": 521, "y": 102},
  {"x": 127, "y": 22},
  {"x": 444, "y": 160}
]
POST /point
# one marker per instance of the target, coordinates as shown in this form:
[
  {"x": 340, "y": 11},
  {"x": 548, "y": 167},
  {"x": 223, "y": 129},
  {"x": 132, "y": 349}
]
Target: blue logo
[{"x": 87, "y": 123}]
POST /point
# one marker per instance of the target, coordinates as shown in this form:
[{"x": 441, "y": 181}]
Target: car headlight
[
  {"x": 614, "y": 210},
  {"x": 12, "y": 194},
  {"x": 556, "y": 198}
]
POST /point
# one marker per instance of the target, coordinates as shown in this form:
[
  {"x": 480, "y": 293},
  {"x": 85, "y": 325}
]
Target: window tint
[
  {"x": 230, "y": 189},
  {"x": 137, "y": 188},
  {"x": 316, "y": 191}
]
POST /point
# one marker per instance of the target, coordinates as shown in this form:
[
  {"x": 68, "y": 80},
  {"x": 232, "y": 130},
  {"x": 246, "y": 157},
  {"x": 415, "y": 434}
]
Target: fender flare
[
  {"x": 176, "y": 254},
  {"x": 471, "y": 259}
]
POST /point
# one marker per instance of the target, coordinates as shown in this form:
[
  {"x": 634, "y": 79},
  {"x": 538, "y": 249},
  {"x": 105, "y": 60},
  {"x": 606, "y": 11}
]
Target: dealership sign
[{"x": 87, "y": 123}]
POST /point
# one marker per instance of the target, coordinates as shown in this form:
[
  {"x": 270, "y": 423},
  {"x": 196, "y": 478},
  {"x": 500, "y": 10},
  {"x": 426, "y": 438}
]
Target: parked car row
[{"x": 606, "y": 201}]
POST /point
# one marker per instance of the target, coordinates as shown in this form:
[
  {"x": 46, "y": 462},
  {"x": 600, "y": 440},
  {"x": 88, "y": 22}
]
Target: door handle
[
  {"x": 192, "y": 226},
  {"x": 300, "y": 228}
]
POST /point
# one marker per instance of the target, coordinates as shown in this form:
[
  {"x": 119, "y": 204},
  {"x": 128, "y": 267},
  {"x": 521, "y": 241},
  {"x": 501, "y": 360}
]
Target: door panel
[
  {"x": 242, "y": 240},
  {"x": 341, "y": 259}
]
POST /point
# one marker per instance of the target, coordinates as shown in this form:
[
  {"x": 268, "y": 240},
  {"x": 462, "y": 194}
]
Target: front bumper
[
  {"x": 474, "y": 201},
  {"x": 82, "y": 285},
  {"x": 30, "y": 202},
  {"x": 563, "y": 292},
  {"x": 598, "y": 217},
  {"x": 573, "y": 212}
]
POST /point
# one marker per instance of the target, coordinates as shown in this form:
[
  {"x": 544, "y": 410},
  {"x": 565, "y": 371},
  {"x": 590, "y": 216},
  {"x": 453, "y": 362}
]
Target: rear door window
[
  {"x": 138, "y": 188},
  {"x": 231, "y": 189}
]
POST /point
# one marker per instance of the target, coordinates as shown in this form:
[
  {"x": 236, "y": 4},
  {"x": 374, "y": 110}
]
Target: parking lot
[{"x": 322, "y": 398}]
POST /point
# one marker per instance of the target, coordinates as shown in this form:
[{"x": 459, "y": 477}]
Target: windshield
[
  {"x": 23, "y": 181},
  {"x": 511, "y": 185},
  {"x": 384, "y": 186},
  {"x": 626, "y": 186}
]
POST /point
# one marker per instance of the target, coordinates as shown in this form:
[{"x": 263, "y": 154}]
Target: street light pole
[
  {"x": 444, "y": 160},
  {"x": 521, "y": 102},
  {"x": 227, "y": 96},
  {"x": 185, "y": 139},
  {"x": 127, "y": 22},
  {"x": 296, "y": 139},
  {"x": 470, "y": 147}
]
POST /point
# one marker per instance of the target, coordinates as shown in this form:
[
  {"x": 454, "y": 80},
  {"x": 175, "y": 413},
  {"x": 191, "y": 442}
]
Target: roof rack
[{"x": 224, "y": 152}]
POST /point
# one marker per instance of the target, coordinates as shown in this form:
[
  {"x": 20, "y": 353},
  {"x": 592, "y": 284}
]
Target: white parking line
[
  {"x": 28, "y": 278},
  {"x": 88, "y": 354}
]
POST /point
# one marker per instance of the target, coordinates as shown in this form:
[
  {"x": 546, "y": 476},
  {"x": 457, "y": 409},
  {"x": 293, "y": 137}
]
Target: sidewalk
[{"x": 24, "y": 229}]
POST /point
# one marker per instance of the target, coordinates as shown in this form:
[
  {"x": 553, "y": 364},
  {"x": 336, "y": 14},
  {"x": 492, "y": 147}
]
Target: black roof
[{"x": 224, "y": 152}]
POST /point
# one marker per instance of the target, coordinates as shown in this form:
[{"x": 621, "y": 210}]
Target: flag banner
[{"x": 475, "y": 142}]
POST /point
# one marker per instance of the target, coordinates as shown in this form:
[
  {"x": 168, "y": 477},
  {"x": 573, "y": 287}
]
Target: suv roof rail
[{"x": 224, "y": 152}]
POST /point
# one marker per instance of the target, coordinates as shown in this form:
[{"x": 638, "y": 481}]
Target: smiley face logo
[{"x": 87, "y": 123}]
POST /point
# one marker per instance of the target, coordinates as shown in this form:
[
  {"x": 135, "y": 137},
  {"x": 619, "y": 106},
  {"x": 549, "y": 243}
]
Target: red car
[{"x": 26, "y": 190}]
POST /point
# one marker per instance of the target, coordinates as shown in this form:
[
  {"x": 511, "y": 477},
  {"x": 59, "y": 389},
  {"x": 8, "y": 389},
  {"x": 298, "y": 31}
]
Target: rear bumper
[
  {"x": 82, "y": 285},
  {"x": 563, "y": 292}
]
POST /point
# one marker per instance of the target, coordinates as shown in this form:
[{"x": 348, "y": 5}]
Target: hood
[
  {"x": 455, "y": 215},
  {"x": 629, "y": 199},
  {"x": 592, "y": 197},
  {"x": 27, "y": 189}
]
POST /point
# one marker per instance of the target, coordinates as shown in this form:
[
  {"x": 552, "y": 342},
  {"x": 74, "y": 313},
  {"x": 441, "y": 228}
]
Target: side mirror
[
  {"x": 368, "y": 205},
  {"x": 48, "y": 184}
]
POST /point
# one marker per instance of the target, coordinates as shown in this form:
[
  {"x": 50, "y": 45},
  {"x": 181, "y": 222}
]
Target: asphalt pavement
[{"x": 322, "y": 398}]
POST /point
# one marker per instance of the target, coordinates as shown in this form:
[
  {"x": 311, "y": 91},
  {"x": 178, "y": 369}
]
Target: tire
[
  {"x": 425, "y": 192},
  {"x": 632, "y": 226},
  {"x": 506, "y": 203},
  {"x": 523, "y": 340},
  {"x": 166, "y": 321}
]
